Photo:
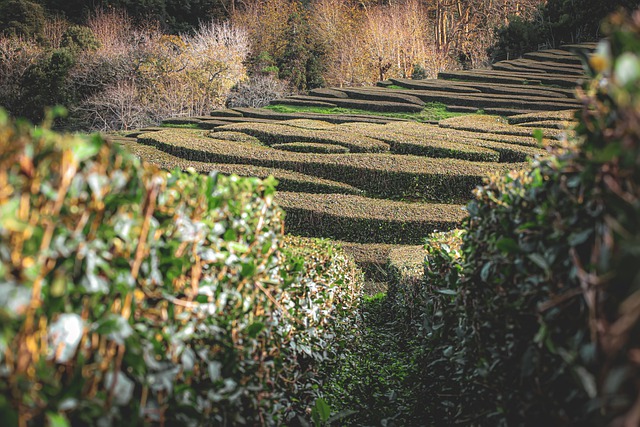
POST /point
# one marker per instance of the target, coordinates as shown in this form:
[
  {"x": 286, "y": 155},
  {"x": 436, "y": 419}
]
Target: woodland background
[{"x": 129, "y": 63}]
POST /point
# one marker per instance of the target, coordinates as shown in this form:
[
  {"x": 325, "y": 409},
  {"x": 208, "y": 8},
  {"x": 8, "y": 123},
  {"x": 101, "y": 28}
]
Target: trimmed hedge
[
  {"x": 270, "y": 134},
  {"x": 431, "y": 84},
  {"x": 385, "y": 175},
  {"x": 490, "y": 124},
  {"x": 554, "y": 58},
  {"x": 539, "y": 323},
  {"x": 201, "y": 124},
  {"x": 379, "y": 106},
  {"x": 489, "y": 111},
  {"x": 287, "y": 180},
  {"x": 464, "y": 136},
  {"x": 406, "y": 280},
  {"x": 233, "y": 136},
  {"x": 331, "y": 118},
  {"x": 554, "y": 68},
  {"x": 566, "y": 115},
  {"x": 370, "y": 257},
  {"x": 375, "y": 94},
  {"x": 226, "y": 112},
  {"x": 364, "y": 220},
  {"x": 132, "y": 296},
  {"x": 512, "y": 77},
  {"x": 303, "y": 102},
  {"x": 311, "y": 147},
  {"x": 308, "y": 124},
  {"x": 546, "y": 124},
  {"x": 493, "y": 100},
  {"x": 328, "y": 93},
  {"x": 425, "y": 144}
]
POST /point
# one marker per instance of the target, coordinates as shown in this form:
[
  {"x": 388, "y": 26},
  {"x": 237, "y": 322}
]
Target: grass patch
[
  {"x": 181, "y": 125},
  {"x": 396, "y": 87},
  {"x": 432, "y": 111}
]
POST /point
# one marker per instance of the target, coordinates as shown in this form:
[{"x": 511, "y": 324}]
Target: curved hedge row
[
  {"x": 364, "y": 220},
  {"x": 376, "y": 94},
  {"x": 490, "y": 124},
  {"x": 287, "y": 180},
  {"x": 566, "y": 115},
  {"x": 423, "y": 144},
  {"x": 270, "y": 134},
  {"x": 379, "y": 106},
  {"x": 304, "y": 102},
  {"x": 385, "y": 175},
  {"x": 309, "y": 124},
  {"x": 311, "y": 147},
  {"x": 260, "y": 113}
]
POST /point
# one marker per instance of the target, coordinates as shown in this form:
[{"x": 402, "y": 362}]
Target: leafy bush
[
  {"x": 538, "y": 323},
  {"x": 132, "y": 295},
  {"x": 115, "y": 76}
]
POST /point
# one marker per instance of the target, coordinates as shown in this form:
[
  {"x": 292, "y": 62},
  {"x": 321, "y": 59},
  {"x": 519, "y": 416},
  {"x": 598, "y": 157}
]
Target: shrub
[
  {"x": 130, "y": 295},
  {"x": 258, "y": 92},
  {"x": 541, "y": 325}
]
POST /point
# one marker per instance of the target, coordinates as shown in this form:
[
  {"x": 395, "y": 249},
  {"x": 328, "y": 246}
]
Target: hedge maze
[{"x": 373, "y": 180}]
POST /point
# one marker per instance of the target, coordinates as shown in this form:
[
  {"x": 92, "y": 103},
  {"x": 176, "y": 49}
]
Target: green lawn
[{"x": 432, "y": 111}]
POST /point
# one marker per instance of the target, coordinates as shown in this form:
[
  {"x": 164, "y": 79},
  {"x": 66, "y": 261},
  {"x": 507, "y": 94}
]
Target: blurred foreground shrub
[{"x": 129, "y": 295}]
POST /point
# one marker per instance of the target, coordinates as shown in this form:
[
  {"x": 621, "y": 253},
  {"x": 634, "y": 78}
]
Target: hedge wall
[{"x": 133, "y": 296}]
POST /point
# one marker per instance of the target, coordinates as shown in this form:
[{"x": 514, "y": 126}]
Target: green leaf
[
  {"x": 86, "y": 148},
  {"x": 248, "y": 269},
  {"x": 576, "y": 239},
  {"x": 322, "y": 410},
  {"x": 540, "y": 261},
  {"x": 57, "y": 420},
  {"x": 538, "y": 134},
  {"x": 230, "y": 235},
  {"x": 508, "y": 245},
  {"x": 9, "y": 216},
  {"x": 447, "y": 292},
  {"x": 255, "y": 328},
  {"x": 486, "y": 269}
]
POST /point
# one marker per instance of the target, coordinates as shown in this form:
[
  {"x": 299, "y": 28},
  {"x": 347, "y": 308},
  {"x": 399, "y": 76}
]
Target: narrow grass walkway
[{"x": 373, "y": 384}]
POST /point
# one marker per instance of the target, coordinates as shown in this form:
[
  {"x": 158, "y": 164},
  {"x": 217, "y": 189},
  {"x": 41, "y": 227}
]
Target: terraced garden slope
[{"x": 376, "y": 173}]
